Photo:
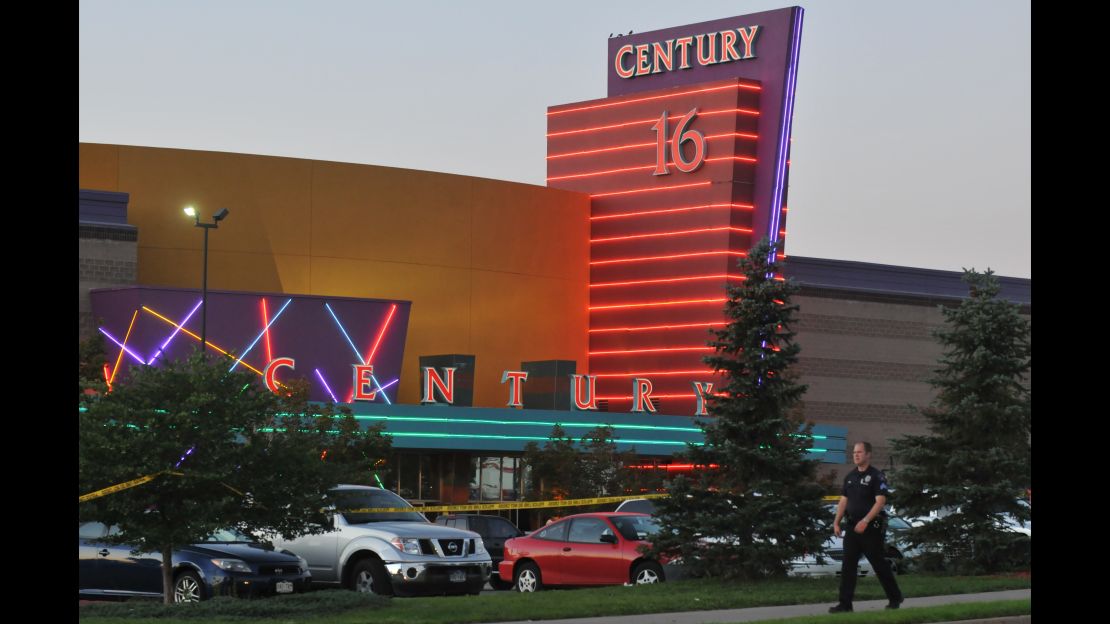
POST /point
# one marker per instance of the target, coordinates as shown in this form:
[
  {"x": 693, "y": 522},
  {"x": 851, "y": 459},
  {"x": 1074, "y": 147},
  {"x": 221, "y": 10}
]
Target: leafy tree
[
  {"x": 589, "y": 467},
  {"x": 357, "y": 454},
  {"x": 90, "y": 369},
  {"x": 226, "y": 452},
  {"x": 976, "y": 461},
  {"x": 753, "y": 505},
  {"x": 552, "y": 469}
]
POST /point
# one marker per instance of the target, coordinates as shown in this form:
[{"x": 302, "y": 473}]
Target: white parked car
[
  {"x": 828, "y": 564},
  {"x": 391, "y": 553}
]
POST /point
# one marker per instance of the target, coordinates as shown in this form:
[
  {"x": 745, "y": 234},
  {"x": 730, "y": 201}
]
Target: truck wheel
[
  {"x": 528, "y": 578},
  {"x": 496, "y": 583},
  {"x": 369, "y": 577}
]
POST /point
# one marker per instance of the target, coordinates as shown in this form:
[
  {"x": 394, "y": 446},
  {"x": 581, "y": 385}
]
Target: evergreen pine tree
[
  {"x": 976, "y": 461},
  {"x": 753, "y": 504}
]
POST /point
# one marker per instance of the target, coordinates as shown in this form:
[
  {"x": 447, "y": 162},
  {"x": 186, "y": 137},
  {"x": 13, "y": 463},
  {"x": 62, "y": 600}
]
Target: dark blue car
[{"x": 227, "y": 563}]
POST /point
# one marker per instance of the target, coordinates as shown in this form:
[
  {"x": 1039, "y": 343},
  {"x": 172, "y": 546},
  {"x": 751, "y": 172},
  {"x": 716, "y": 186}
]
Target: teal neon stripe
[
  {"x": 477, "y": 436},
  {"x": 525, "y": 423},
  {"x": 536, "y": 423},
  {"x": 481, "y": 421}
]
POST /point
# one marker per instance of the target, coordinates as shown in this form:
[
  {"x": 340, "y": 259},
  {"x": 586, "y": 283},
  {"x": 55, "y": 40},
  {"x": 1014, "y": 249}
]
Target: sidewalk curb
[{"x": 763, "y": 614}]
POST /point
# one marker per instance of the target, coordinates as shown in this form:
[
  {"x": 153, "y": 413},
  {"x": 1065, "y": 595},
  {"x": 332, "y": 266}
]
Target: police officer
[{"x": 861, "y": 502}]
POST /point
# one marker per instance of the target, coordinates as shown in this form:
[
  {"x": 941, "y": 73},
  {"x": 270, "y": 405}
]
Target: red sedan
[{"x": 583, "y": 549}]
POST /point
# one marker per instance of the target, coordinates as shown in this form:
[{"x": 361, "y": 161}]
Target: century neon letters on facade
[
  {"x": 723, "y": 46},
  {"x": 583, "y": 395}
]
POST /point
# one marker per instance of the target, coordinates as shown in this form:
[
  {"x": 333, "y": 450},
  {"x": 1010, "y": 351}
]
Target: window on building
[
  {"x": 409, "y": 477},
  {"x": 491, "y": 478},
  {"x": 429, "y": 477}
]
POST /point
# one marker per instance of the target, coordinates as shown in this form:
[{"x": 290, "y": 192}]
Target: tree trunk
[{"x": 167, "y": 574}]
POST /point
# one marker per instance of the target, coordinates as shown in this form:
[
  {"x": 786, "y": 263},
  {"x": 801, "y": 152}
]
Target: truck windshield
[{"x": 366, "y": 499}]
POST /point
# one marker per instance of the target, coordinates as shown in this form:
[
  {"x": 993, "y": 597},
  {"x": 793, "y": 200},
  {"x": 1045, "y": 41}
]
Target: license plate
[
  {"x": 457, "y": 576},
  {"x": 284, "y": 587}
]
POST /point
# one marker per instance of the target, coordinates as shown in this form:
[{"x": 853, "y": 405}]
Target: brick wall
[
  {"x": 106, "y": 258},
  {"x": 866, "y": 361}
]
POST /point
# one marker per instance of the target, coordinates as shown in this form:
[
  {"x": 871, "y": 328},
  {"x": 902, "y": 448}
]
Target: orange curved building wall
[{"x": 495, "y": 269}]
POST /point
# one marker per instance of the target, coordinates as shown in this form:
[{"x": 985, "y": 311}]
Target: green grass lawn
[{"x": 340, "y": 607}]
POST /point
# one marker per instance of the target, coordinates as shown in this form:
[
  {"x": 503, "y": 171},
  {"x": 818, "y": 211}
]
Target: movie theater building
[{"x": 421, "y": 299}]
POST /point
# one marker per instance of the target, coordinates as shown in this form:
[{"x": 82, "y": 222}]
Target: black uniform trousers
[{"x": 870, "y": 544}]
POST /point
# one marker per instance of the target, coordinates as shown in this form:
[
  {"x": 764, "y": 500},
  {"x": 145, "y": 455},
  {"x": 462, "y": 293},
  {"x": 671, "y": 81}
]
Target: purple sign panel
[
  {"x": 760, "y": 46},
  {"x": 276, "y": 336}
]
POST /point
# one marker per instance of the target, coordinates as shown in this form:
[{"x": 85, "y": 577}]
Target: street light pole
[{"x": 216, "y": 218}]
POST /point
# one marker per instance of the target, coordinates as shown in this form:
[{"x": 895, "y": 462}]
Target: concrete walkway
[{"x": 760, "y": 614}]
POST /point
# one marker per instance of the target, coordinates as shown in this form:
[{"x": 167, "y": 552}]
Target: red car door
[
  {"x": 590, "y": 561},
  {"x": 546, "y": 548}
]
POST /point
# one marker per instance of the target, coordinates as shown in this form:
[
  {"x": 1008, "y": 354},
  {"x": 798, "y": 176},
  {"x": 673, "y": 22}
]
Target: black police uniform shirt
[{"x": 861, "y": 488}]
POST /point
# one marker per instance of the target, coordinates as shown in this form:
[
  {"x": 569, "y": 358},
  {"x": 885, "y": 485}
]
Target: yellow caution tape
[
  {"x": 575, "y": 502},
  {"x": 126, "y": 485}
]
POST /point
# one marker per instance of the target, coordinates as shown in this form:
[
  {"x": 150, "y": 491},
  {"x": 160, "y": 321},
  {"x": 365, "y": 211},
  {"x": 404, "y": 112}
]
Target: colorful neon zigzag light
[
  {"x": 197, "y": 338},
  {"x": 259, "y": 337},
  {"x": 123, "y": 348},
  {"x": 115, "y": 369},
  {"x": 326, "y": 387},
  {"x": 266, "y": 325},
  {"x": 174, "y": 332},
  {"x": 358, "y": 355}
]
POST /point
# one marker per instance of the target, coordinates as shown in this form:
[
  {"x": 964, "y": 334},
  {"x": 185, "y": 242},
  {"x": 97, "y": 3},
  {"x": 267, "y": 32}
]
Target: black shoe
[
  {"x": 894, "y": 604},
  {"x": 839, "y": 608}
]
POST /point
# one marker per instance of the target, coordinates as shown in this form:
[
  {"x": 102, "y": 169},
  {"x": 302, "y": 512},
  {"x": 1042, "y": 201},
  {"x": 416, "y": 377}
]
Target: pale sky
[{"x": 911, "y": 124}]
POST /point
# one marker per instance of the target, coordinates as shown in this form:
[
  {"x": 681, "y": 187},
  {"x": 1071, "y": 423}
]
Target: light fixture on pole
[{"x": 216, "y": 218}]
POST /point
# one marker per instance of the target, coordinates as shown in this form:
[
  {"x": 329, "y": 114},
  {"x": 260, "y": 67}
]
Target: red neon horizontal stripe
[
  {"x": 676, "y": 233},
  {"x": 689, "y": 255},
  {"x": 592, "y": 174},
  {"x": 668, "y": 210},
  {"x": 723, "y": 111},
  {"x": 659, "y": 350},
  {"x": 704, "y": 371},
  {"x": 669, "y": 279},
  {"x": 654, "y": 304},
  {"x": 653, "y": 327},
  {"x": 669, "y": 466},
  {"x": 654, "y": 396},
  {"x": 652, "y": 189},
  {"x": 655, "y": 97},
  {"x": 740, "y": 158},
  {"x": 614, "y": 149},
  {"x": 606, "y": 172},
  {"x": 617, "y": 148}
]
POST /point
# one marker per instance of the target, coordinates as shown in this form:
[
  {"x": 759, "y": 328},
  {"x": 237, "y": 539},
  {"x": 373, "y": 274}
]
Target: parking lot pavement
[{"x": 761, "y": 614}]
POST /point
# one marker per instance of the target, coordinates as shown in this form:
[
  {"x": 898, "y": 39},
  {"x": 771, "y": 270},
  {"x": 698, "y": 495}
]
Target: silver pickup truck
[{"x": 391, "y": 553}]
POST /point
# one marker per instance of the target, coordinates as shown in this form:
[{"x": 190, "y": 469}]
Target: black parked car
[
  {"x": 494, "y": 531},
  {"x": 227, "y": 563}
]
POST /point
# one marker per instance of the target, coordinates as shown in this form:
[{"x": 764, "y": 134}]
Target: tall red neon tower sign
[{"x": 686, "y": 165}]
